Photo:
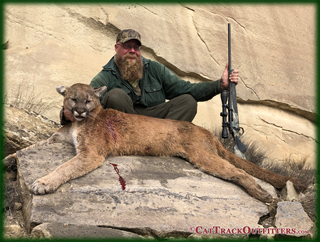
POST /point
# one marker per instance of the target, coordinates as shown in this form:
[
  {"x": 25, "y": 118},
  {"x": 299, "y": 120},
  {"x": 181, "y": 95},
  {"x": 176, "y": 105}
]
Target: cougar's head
[{"x": 81, "y": 99}]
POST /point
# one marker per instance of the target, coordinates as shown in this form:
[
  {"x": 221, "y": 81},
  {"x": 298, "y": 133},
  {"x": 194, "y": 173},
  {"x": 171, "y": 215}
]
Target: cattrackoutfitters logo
[{"x": 244, "y": 230}]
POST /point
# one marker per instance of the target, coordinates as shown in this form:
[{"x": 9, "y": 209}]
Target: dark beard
[{"x": 129, "y": 71}]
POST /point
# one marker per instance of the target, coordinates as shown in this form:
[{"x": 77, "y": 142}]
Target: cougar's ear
[
  {"x": 61, "y": 89},
  {"x": 99, "y": 90}
]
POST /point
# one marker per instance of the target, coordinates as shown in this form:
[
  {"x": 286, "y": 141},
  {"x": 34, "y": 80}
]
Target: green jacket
[{"x": 157, "y": 85}]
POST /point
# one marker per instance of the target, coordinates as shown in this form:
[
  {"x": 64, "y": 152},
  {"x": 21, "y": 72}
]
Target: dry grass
[
  {"x": 27, "y": 97},
  {"x": 294, "y": 168},
  {"x": 290, "y": 167}
]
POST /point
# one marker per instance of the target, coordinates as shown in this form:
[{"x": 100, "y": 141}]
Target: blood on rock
[{"x": 121, "y": 180}]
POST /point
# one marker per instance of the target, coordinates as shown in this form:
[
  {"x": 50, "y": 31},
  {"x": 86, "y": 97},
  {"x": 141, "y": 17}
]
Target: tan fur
[{"x": 104, "y": 133}]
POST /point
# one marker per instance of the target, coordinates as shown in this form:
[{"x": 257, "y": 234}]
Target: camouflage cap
[{"x": 128, "y": 34}]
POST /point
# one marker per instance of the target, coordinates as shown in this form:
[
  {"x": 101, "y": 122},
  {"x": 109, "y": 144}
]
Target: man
[{"x": 140, "y": 86}]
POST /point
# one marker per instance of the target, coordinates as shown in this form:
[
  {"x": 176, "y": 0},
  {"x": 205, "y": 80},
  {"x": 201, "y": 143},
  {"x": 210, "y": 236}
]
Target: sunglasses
[{"x": 129, "y": 47}]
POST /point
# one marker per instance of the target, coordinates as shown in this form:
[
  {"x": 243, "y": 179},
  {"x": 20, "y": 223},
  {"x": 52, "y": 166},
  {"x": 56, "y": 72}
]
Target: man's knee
[
  {"x": 191, "y": 106},
  {"x": 189, "y": 102},
  {"x": 184, "y": 108},
  {"x": 116, "y": 99}
]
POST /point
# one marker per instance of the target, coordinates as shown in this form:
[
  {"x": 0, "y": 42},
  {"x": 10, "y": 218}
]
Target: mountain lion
[{"x": 97, "y": 133}]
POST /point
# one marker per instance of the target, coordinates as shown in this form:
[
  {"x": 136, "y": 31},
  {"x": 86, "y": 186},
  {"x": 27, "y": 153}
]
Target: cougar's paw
[{"x": 41, "y": 187}]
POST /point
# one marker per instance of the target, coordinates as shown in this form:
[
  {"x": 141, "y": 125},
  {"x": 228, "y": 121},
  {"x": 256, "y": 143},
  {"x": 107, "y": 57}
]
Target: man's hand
[
  {"x": 224, "y": 78},
  {"x": 66, "y": 116}
]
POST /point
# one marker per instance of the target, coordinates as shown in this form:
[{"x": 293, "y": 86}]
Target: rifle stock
[{"x": 233, "y": 117}]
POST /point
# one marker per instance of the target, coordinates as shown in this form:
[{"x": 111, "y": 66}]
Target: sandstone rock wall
[{"x": 273, "y": 47}]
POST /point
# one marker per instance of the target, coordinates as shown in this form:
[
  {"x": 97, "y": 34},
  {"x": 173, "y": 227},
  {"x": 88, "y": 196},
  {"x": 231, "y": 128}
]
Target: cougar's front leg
[{"x": 78, "y": 166}]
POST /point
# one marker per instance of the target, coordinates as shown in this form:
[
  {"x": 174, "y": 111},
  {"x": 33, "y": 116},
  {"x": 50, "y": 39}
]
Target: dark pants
[{"x": 183, "y": 107}]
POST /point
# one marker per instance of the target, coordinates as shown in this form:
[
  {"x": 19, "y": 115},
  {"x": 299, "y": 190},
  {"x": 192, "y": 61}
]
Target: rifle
[{"x": 233, "y": 116}]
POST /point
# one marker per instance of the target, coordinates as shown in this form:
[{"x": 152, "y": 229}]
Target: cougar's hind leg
[
  {"x": 277, "y": 180},
  {"x": 215, "y": 165}
]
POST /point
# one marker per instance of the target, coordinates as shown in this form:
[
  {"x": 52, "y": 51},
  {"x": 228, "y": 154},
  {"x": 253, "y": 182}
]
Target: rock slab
[
  {"x": 161, "y": 195},
  {"x": 292, "y": 216},
  {"x": 56, "y": 230},
  {"x": 23, "y": 128}
]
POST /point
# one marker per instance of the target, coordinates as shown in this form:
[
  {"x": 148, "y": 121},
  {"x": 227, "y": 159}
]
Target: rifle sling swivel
[{"x": 238, "y": 130}]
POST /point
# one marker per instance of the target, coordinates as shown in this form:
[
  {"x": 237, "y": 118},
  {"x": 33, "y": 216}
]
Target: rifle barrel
[
  {"x": 229, "y": 47},
  {"x": 231, "y": 84}
]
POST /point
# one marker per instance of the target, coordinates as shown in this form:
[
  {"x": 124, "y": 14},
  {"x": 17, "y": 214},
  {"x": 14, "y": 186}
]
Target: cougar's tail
[{"x": 278, "y": 181}]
